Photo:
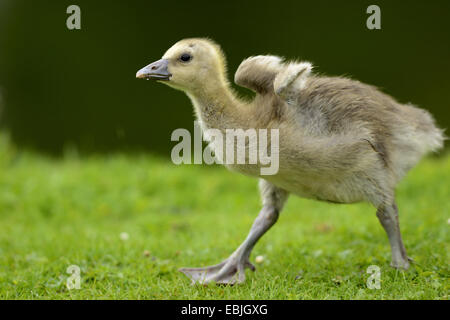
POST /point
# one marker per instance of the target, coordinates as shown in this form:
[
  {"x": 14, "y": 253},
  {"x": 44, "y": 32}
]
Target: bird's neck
[{"x": 217, "y": 106}]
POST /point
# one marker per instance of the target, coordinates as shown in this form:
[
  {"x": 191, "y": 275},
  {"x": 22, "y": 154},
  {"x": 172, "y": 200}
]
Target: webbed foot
[{"x": 230, "y": 272}]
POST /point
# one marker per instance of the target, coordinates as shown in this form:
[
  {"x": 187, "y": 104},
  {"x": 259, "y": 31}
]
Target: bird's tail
[
  {"x": 431, "y": 137},
  {"x": 416, "y": 135}
]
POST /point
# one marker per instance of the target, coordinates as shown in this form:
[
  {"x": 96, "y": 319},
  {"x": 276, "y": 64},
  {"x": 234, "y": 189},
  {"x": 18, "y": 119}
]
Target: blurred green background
[{"x": 64, "y": 88}]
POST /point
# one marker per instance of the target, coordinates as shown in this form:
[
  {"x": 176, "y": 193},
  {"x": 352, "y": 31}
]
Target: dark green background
[{"x": 64, "y": 87}]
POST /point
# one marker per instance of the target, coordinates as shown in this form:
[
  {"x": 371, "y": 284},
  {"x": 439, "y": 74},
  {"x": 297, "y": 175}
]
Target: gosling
[{"x": 340, "y": 140}]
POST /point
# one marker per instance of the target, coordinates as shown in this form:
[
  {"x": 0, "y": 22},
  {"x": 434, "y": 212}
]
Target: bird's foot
[
  {"x": 229, "y": 271},
  {"x": 402, "y": 264}
]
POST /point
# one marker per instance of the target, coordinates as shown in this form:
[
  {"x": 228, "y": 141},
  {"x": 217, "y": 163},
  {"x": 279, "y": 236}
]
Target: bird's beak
[{"x": 156, "y": 70}]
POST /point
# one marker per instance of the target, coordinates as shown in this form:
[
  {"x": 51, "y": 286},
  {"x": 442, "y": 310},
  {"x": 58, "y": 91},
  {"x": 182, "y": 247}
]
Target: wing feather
[
  {"x": 258, "y": 73},
  {"x": 264, "y": 74}
]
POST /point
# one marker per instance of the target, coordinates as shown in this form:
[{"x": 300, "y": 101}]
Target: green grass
[{"x": 60, "y": 212}]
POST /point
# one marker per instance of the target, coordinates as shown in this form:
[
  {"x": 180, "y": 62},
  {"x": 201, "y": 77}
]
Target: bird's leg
[
  {"x": 388, "y": 216},
  {"x": 232, "y": 270}
]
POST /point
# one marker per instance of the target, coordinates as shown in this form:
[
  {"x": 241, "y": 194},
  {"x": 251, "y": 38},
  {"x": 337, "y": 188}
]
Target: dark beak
[{"x": 156, "y": 70}]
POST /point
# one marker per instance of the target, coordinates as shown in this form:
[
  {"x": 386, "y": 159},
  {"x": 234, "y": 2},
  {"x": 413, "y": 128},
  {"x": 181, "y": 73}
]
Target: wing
[
  {"x": 258, "y": 73},
  {"x": 292, "y": 79},
  {"x": 264, "y": 74}
]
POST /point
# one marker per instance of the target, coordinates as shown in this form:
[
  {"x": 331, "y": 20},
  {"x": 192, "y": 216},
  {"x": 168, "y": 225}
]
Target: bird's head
[{"x": 188, "y": 65}]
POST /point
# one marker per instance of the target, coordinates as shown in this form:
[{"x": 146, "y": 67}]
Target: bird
[{"x": 340, "y": 140}]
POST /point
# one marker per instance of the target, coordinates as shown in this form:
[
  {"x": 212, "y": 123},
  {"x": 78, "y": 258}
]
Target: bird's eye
[{"x": 185, "y": 57}]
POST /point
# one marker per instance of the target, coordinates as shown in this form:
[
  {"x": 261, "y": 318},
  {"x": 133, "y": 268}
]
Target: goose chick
[{"x": 341, "y": 140}]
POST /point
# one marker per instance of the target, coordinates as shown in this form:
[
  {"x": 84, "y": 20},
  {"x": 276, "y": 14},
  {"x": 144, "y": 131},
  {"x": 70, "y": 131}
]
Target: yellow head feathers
[{"x": 196, "y": 64}]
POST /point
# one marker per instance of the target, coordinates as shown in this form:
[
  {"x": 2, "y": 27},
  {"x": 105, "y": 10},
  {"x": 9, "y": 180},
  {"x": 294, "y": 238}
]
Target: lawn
[{"x": 129, "y": 221}]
